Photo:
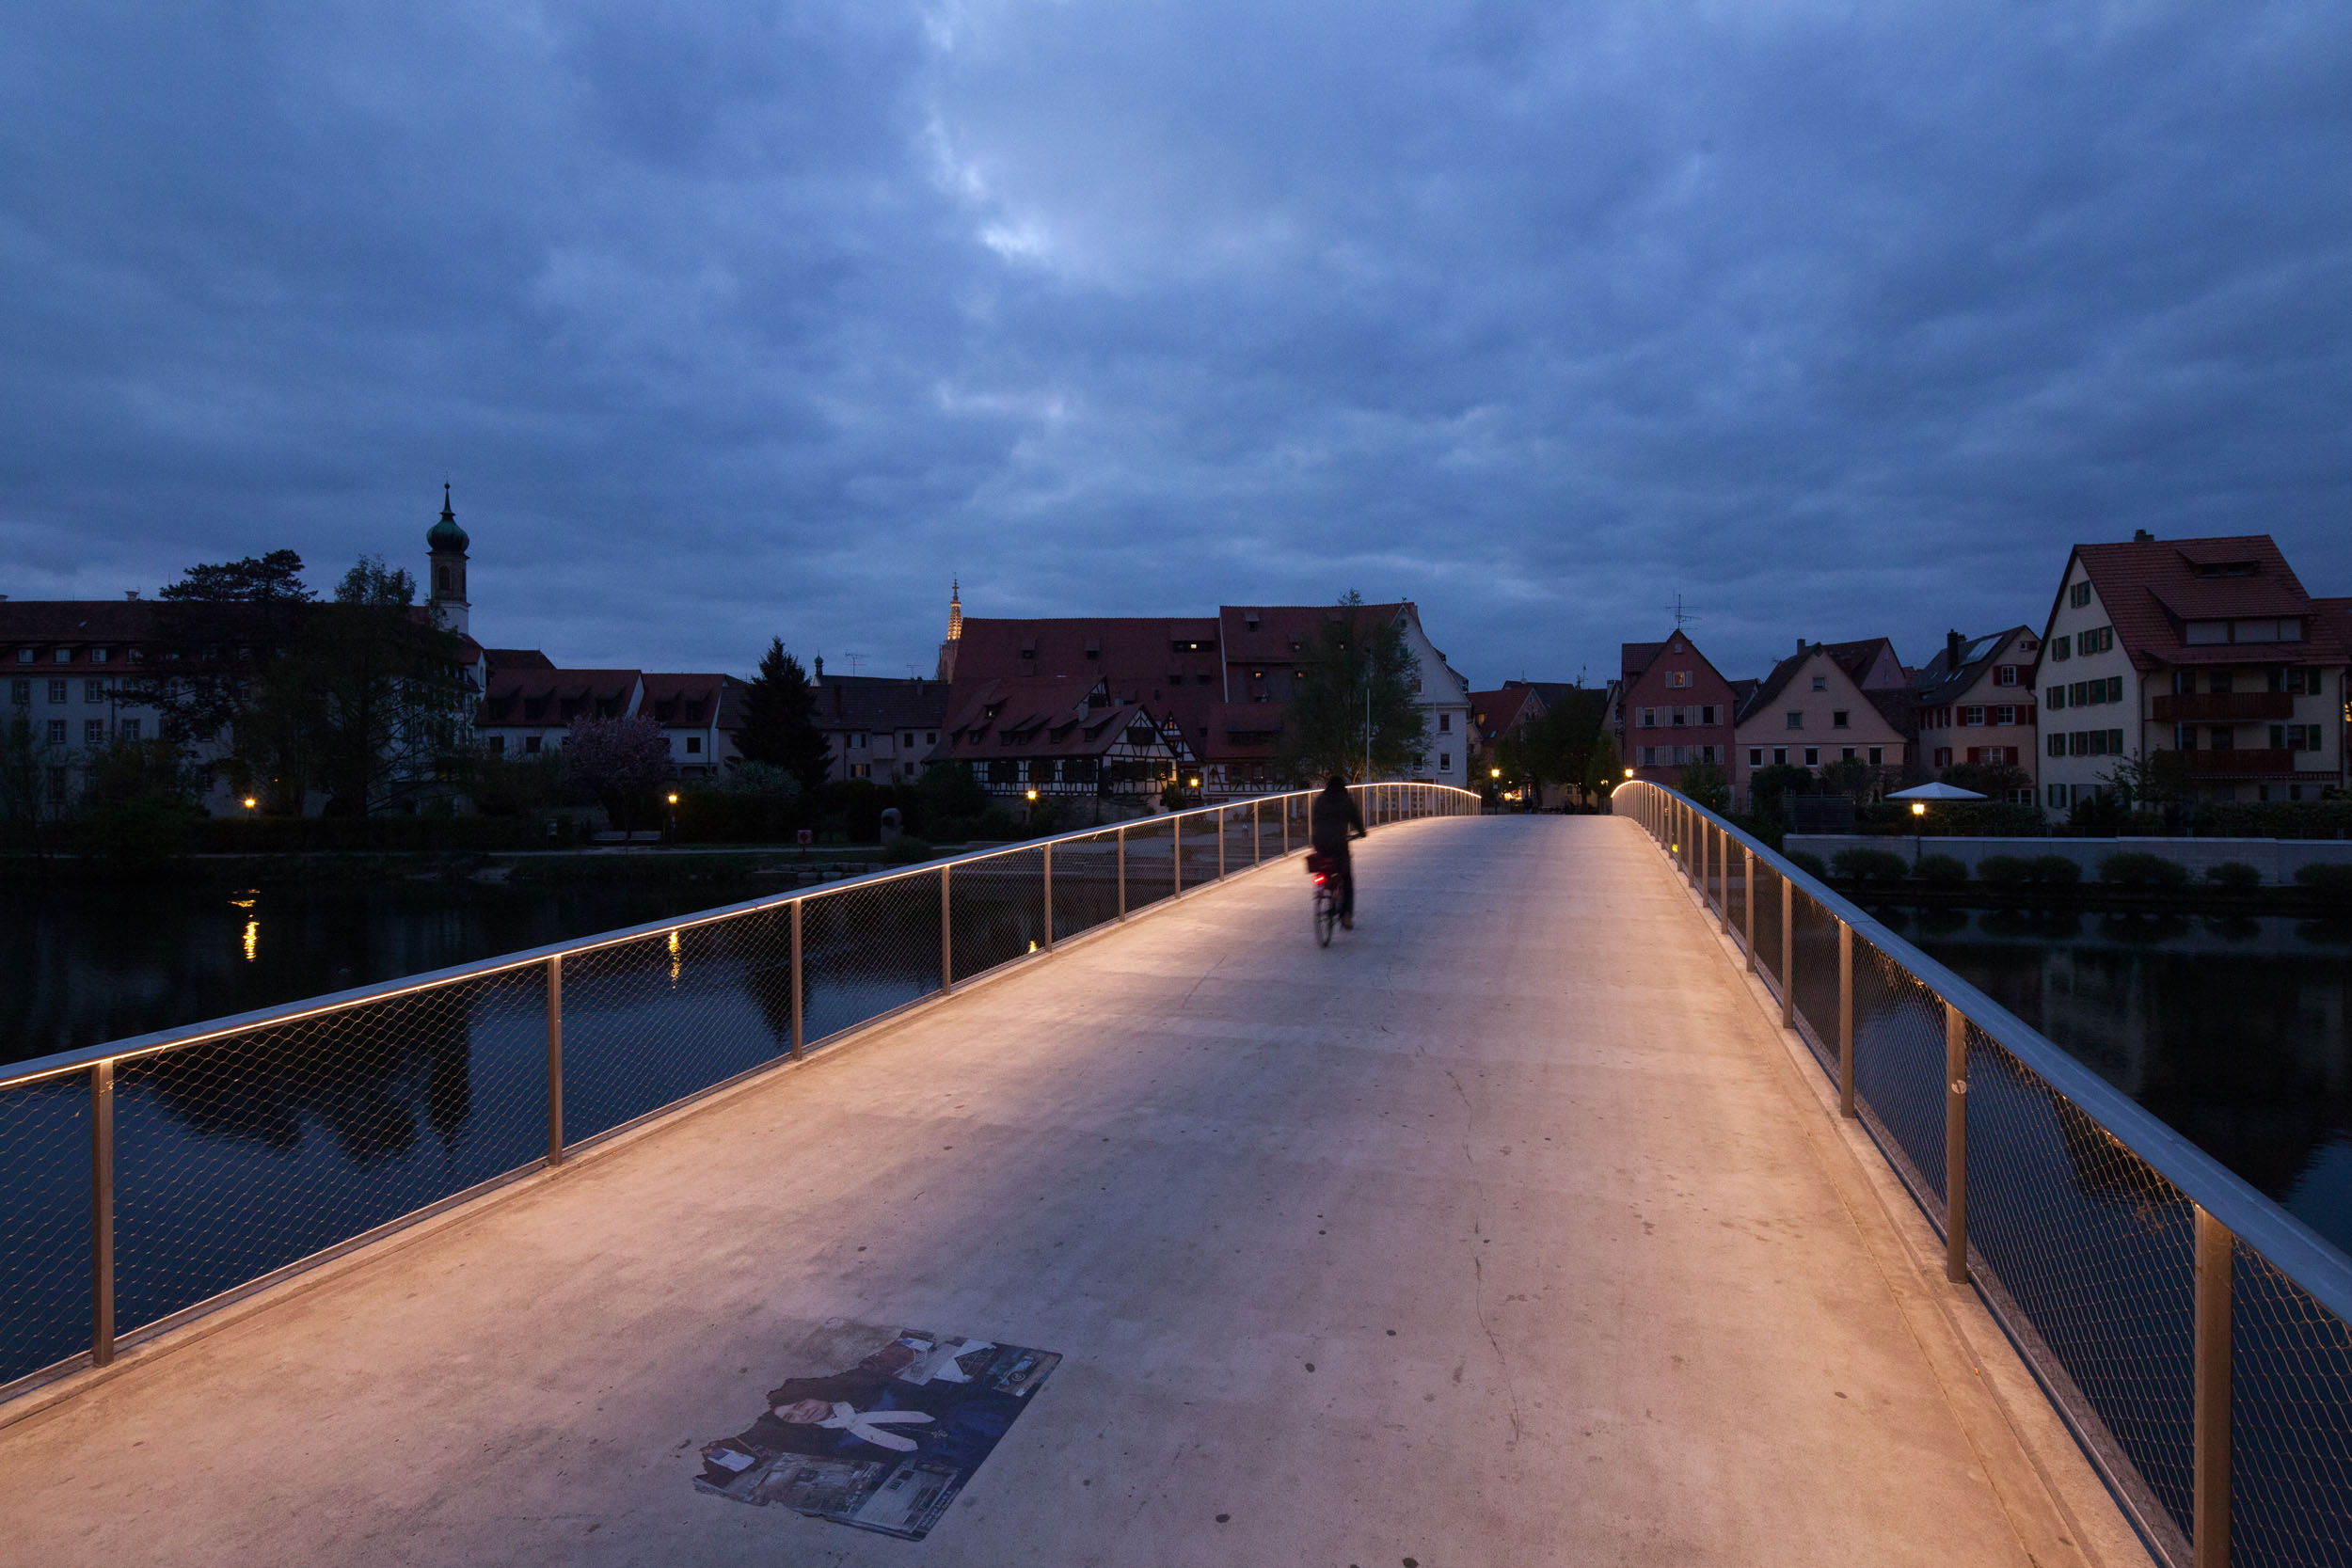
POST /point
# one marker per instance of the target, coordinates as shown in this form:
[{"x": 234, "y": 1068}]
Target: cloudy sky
[{"x": 737, "y": 320}]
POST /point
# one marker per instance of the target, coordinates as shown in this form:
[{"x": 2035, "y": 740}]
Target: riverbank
[
  {"x": 2103, "y": 898},
  {"x": 765, "y": 865}
]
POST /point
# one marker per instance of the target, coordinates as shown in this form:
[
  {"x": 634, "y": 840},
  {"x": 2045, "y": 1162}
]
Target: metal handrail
[
  {"x": 2227, "y": 1210},
  {"x": 1381, "y": 803}
]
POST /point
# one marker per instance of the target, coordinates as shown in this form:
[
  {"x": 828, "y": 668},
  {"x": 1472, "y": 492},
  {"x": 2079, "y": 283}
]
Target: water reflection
[{"x": 2235, "y": 1029}]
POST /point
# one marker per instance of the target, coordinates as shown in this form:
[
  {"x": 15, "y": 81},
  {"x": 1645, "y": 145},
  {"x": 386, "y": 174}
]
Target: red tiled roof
[
  {"x": 1634, "y": 657},
  {"x": 688, "y": 702},
  {"x": 76, "y": 621},
  {"x": 880, "y": 702},
  {"x": 1136, "y": 656},
  {"x": 1033, "y": 715},
  {"x": 539, "y": 696},
  {"x": 2149, "y": 587},
  {"x": 518, "y": 658},
  {"x": 1496, "y": 712}
]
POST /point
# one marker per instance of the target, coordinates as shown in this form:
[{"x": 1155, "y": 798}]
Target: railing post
[
  {"x": 101, "y": 1213},
  {"x": 947, "y": 936},
  {"x": 1723, "y": 880},
  {"x": 1788, "y": 953},
  {"x": 2216, "y": 1249},
  {"x": 1747, "y": 893},
  {"x": 1286, "y": 827},
  {"x": 555, "y": 1060},
  {"x": 800, "y": 1002},
  {"x": 1257, "y": 838},
  {"x": 1222, "y": 813},
  {"x": 1176, "y": 847},
  {"x": 1955, "y": 1146},
  {"x": 1845, "y": 1020},
  {"x": 1123, "y": 873},
  {"x": 1049, "y": 898}
]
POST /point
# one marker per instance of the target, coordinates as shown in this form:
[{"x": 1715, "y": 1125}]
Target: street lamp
[
  {"x": 674, "y": 817},
  {"x": 250, "y": 803},
  {"x": 1629, "y": 772}
]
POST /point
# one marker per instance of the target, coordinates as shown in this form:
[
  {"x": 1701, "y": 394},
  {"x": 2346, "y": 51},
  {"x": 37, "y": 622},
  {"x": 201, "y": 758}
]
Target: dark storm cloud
[{"x": 737, "y": 320}]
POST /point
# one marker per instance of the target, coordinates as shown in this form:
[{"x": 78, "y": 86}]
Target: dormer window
[
  {"x": 1249, "y": 621},
  {"x": 1028, "y": 648},
  {"x": 1094, "y": 647}
]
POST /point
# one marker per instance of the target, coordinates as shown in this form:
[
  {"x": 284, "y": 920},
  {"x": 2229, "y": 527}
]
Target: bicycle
[{"x": 1325, "y": 870}]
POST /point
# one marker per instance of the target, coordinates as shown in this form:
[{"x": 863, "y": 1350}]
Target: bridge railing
[
  {"x": 2192, "y": 1333},
  {"x": 149, "y": 1181}
]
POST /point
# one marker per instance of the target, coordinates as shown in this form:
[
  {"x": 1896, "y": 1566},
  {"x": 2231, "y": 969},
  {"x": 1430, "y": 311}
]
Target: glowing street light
[{"x": 250, "y": 803}]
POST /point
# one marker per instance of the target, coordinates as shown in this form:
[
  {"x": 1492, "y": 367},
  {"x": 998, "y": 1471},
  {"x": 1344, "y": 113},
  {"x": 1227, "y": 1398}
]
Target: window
[
  {"x": 1971, "y": 718},
  {"x": 56, "y": 691},
  {"x": 1678, "y": 677},
  {"x": 2115, "y": 689},
  {"x": 497, "y": 743},
  {"x": 1780, "y": 756},
  {"x": 2078, "y": 595},
  {"x": 1877, "y": 757},
  {"x": 2295, "y": 737},
  {"x": 56, "y": 732},
  {"x": 1821, "y": 683},
  {"x": 21, "y": 693},
  {"x": 24, "y": 656},
  {"x": 1706, "y": 714},
  {"x": 2005, "y": 715},
  {"x": 1649, "y": 719},
  {"x": 930, "y": 737},
  {"x": 2057, "y": 744},
  {"x": 93, "y": 691},
  {"x": 1837, "y": 720},
  {"x": 1943, "y": 756},
  {"x": 861, "y": 770},
  {"x": 2201, "y": 633},
  {"x": 1813, "y": 757},
  {"x": 2005, "y": 676},
  {"x": 1445, "y": 762},
  {"x": 1445, "y": 723},
  {"x": 909, "y": 738},
  {"x": 129, "y": 729},
  {"x": 93, "y": 731},
  {"x": 1680, "y": 715},
  {"x": 2114, "y": 743},
  {"x": 1650, "y": 756},
  {"x": 1756, "y": 756},
  {"x": 694, "y": 745},
  {"x": 63, "y": 656},
  {"x": 2218, "y": 683},
  {"x": 2098, "y": 640},
  {"x": 1796, "y": 718},
  {"x": 2063, "y": 647},
  {"x": 531, "y": 745},
  {"x": 857, "y": 744},
  {"x": 2057, "y": 795},
  {"x": 1847, "y": 755},
  {"x": 98, "y": 656}
]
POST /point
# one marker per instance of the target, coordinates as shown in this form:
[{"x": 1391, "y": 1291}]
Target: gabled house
[
  {"x": 1972, "y": 705},
  {"x": 1811, "y": 712},
  {"x": 700, "y": 713},
  {"x": 2207, "y": 652},
  {"x": 1060, "y": 738},
  {"x": 878, "y": 727},
  {"x": 1671, "y": 708},
  {"x": 527, "y": 709}
]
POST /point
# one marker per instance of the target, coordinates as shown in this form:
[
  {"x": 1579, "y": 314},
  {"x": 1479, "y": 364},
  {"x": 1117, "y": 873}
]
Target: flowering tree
[{"x": 623, "y": 760}]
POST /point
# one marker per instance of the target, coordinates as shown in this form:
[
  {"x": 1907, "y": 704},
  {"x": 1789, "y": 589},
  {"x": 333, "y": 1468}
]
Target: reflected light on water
[
  {"x": 675, "y": 963},
  {"x": 252, "y": 939}
]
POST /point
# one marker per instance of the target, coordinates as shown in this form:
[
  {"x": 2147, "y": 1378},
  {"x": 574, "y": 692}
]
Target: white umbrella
[{"x": 1937, "y": 792}]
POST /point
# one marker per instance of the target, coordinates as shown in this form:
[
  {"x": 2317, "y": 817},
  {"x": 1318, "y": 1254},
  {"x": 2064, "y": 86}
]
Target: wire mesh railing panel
[
  {"x": 2097, "y": 1251},
  {"x": 2291, "y": 1441},
  {"x": 1899, "y": 1060},
  {"x": 44, "y": 1224},
  {"x": 1150, "y": 867},
  {"x": 1086, "y": 883},
  {"x": 1768, "y": 924},
  {"x": 1239, "y": 851},
  {"x": 649, "y": 1021},
  {"x": 998, "y": 907},
  {"x": 1813, "y": 942},
  {"x": 238, "y": 1156},
  {"x": 1735, "y": 895},
  {"x": 1202, "y": 841},
  {"x": 868, "y": 950}
]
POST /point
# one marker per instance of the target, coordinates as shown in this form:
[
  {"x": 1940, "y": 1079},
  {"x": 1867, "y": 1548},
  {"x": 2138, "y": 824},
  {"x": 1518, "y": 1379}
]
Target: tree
[
  {"x": 1707, "y": 783},
  {"x": 137, "y": 805},
  {"x": 1767, "y": 786},
  {"x": 215, "y": 632},
  {"x": 391, "y": 699},
  {"x": 779, "y": 721},
  {"x": 1360, "y": 671},
  {"x": 622, "y": 760},
  {"x": 1566, "y": 743},
  {"x": 32, "y": 788}
]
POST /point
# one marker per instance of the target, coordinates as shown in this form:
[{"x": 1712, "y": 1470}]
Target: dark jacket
[{"x": 1330, "y": 819}]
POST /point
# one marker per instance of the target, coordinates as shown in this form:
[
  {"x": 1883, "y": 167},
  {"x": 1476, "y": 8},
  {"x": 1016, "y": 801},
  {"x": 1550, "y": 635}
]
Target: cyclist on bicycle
[{"x": 1331, "y": 821}]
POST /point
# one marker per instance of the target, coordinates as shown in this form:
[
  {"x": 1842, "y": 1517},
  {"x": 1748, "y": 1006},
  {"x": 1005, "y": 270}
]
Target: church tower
[
  {"x": 955, "y": 630},
  {"x": 446, "y": 572}
]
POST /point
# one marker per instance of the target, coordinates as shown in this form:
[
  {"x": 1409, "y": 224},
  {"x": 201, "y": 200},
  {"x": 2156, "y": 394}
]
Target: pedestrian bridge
[{"x": 1512, "y": 1228}]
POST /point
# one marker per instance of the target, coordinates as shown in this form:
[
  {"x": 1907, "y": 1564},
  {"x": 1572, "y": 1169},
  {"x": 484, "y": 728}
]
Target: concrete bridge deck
[{"x": 1507, "y": 1230}]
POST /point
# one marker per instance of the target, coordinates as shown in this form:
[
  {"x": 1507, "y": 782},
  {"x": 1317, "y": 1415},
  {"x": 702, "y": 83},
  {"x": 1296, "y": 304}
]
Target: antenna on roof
[
  {"x": 856, "y": 660},
  {"x": 1681, "y": 613}
]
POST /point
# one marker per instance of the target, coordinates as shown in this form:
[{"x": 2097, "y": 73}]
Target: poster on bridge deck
[{"x": 886, "y": 1444}]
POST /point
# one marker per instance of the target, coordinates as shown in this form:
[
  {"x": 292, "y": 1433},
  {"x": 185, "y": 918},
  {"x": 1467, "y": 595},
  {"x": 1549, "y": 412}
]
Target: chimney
[
  {"x": 2141, "y": 537},
  {"x": 1799, "y": 644},
  {"x": 1951, "y": 652},
  {"x": 131, "y": 594}
]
